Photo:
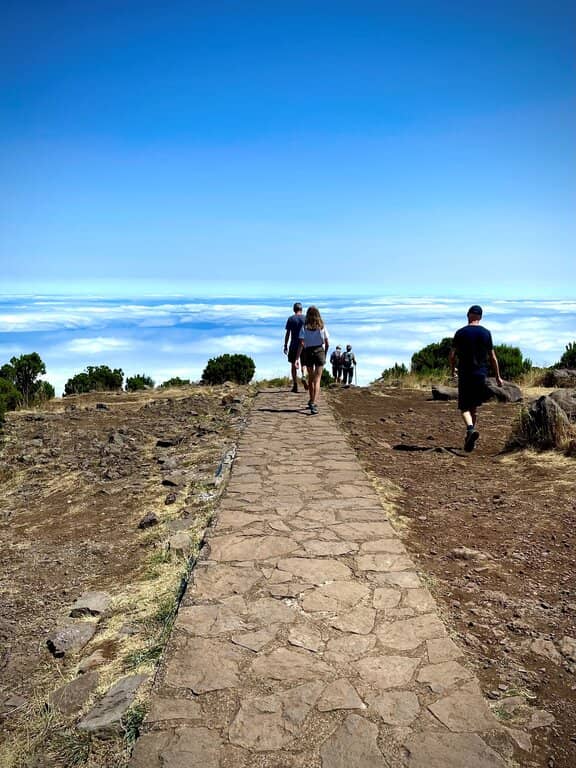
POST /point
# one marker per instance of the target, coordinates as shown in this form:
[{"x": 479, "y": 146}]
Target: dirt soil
[
  {"x": 75, "y": 480},
  {"x": 516, "y": 512}
]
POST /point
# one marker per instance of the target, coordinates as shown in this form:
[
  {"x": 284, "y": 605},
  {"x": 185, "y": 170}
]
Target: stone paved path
[{"x": 307, "y": 638}]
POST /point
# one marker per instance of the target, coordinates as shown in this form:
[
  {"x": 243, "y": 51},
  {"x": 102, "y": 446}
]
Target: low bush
[
  {"x": 138, "y": 382},
  {"x": 175, "y": 381},
  {"x": 393, "y": 374},
  {"x": 237, "y": 368},
  {"x": 432, "y": 358},
  {"x": 512, "y": 364}
]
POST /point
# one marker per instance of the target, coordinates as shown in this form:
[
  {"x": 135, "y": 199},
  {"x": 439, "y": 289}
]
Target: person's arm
[
  {"x": 496, "y": 367},
  {"x": 452, "y": 361},
  {"x": 326, "y": 342},
  {"x": 286, "y": 337}
]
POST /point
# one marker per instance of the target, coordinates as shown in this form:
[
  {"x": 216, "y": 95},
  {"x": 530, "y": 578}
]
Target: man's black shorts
[
  {"x": 313, "y": 356},
  {"x": 292, "y": 353},
  {"x": 472, "y": 391}
]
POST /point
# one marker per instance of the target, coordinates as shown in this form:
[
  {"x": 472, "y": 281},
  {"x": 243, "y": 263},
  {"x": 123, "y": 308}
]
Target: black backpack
[{"x": 348, "y": 359}]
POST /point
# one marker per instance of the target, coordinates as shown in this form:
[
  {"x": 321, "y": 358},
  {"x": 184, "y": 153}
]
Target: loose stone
[{"x": 105, "y": 719}]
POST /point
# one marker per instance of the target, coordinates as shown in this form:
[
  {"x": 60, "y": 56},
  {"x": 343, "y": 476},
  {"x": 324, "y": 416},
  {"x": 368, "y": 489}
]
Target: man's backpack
[{"x": 347, "y": 359}]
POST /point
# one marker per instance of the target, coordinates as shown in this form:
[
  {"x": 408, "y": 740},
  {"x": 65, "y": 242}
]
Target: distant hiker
[
  {"x": 292, "y": 343},
  {"x": 348, "y": 363},
  {"x": 336, "y": 363},
  {"x": 314, "y": 344},
  {"x": 474, "y": 351}
]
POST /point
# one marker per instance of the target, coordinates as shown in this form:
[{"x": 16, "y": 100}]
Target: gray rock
[
  {"x": 340, "y": 694},
  {"x": 547, "y": 649},
  {"x": 540, "y": 719},
  {"x": 544, "y": 426},
  {"x": 353, "y": 745},
  {"x": 91, "y": 604},
  {"x": 71, "y": 697},
  {"x": 566, "y": 399},
  {"x": 440, "y": 392},
  {"x": 70, "y": 637},
  {"x": 568, "y": 647},
  {"x": 181, "y": 544},
  {"x": 560, "y": 377},
  {"x": 464, "y": 711},
  {"x": 105, "y": 719},
  {"x": 507, "y": 393},
  {"x": 399, "y": 708},
  {"x": 450, "y": 750},
  {"x": 148, "y": 521}
]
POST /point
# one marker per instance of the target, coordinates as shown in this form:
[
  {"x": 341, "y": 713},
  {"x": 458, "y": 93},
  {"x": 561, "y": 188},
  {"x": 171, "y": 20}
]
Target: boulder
[
  {"x": 543, "y": 426},
  {"x": 507, "y": 393},
  {"x": 566, "y": 399},
  {"x": 71, "y": 697},
  {"x": 105, "y": 719},
  {"x": 70, "y": 637},
  {"x": 560, "y": 377},
  {"x": 440, "y": 392},
  {"x": 90, "y": 604}
]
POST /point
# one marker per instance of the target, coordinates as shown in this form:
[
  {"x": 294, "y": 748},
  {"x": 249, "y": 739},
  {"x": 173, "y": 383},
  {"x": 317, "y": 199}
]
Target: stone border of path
[{"x": 307, "y": 638}]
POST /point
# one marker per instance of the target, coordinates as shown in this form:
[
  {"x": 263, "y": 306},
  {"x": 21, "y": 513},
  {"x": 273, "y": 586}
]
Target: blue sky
[{"x": 405, "y": 147}]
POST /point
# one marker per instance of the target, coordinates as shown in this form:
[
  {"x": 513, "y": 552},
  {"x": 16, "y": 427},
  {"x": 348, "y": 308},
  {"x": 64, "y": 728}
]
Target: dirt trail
[{"x": 514, "y": 598}]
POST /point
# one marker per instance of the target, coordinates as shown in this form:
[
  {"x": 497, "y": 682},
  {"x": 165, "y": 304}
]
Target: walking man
[
  {"x": 292, "y": 343},
  {"x": 348, "y": 363},
  {"x": 474, "y": 351},
  {"x": 336, "y": 363}
]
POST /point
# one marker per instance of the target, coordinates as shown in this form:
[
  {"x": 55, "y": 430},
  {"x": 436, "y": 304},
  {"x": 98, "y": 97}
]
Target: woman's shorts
[{"x": 313, "y": 356}]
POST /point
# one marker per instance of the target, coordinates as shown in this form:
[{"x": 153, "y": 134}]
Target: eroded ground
[
  {"x": 514, "y": 597},
  {"x": 75, "y": 482}
]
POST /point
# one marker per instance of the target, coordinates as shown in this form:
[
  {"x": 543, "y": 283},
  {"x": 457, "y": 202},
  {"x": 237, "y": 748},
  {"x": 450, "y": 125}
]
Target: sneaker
[
  {"x": 294, "y": 388},
  {"x": 314, "y": 409},
  {"x": 309, "y": 404},
  {"x": 472, "y": 436}
]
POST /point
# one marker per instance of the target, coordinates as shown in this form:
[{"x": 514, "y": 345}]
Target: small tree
[
  {"x": 237, "y": 368},
  {"x": 568, "y": 359},
  {"x": 433, "y": 358},
  {"x": 9, "y": 397},
  {"x": 137, "y": 382},
  {"x": 96, "y": 378},
  {"x": 511, "y": 362},
  {"x": 175, "y": 381},
  {"x": 24, "y": 372},
  {"x": 45, "y": 392},
  {"x": 397, "y": 371}
]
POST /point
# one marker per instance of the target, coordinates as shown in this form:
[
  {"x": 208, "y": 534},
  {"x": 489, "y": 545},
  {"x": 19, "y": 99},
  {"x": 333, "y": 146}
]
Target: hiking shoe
[
  {"x": 313, "y": 409},
  {"x": 309, "y": 404},
  {"x": 472, "y": 436},
  {"x": 294, "y": 388}
]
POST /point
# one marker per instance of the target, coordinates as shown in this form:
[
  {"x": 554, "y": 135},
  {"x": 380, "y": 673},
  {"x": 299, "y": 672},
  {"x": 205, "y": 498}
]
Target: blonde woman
[{"x": 314, "y": 345}]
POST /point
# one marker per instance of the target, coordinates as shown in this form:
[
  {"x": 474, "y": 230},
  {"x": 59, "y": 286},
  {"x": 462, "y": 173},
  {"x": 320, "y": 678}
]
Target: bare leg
[
  {"x": 294, "y": 373},
  {"x": 467, "y": 418}
]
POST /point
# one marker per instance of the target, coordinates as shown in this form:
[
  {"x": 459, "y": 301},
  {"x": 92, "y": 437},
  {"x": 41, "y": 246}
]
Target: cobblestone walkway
[{"x": 307, "y": 638}]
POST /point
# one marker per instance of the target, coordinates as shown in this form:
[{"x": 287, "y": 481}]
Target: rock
[
  {"x": 330, "y": 548},
  {"x": 386, "y": 672},
  {"x": 441, "y": 677},
  {"x": 359, "y": 621},
  {"x": 335, "y": 596},
  {"x": 364, "y": 531},
  {"x": 174, "y": 480},
  {"x": 215, "y": 581},
  {"x": 402, "y": 579},
  {"x": 105, "y": 719},
  {"x": 440, "y": 392},
  {"x": 148, "y": 521},
  {"x": 509, "y": 704},
  {"x": 204, "y": 665},
  {"x": 566, "y": 399},
  {"x": 386, "y": 597},
  {"x": 209, "y": 620},
  {"x": 540, "y": 719},
  {"x": 383, "y": 561},
  {"x": 399, "y": 708},
  {"x": 182, "y": 748},
  {"x": 450, "y": 750},
  {"x": 442, "y": 649},
  {"x": 11, "y": 702},
  {"x": 305, "y": 636},
  {"x": 271, "y": 722},
  {"x": 181, "y": 544},
  {"x": 544, "y": 426},
  {"x": 407, "y": 634},
  {"x": 547, "y": 649},
  {"x": 315, "y": 571},
  {"x": 255, "y": 641},
  {"x": 167, "y": 442},
  {"x": 560, "y": 377},
  {"x": 71, "y": 697},
  {"x": 70, "y": 637},
  {"x": 507, "y": 393},
  {"x": 464, "y": 711},
  {"x": 269, "y": 611},
  {"x": 349, "y": 648},
  {"x": 353, "y": 745},
  {"x": 568, "y": 648},
  {"x": 96, "y": 659},
  {"x": 466, "y": 553},
  {"x": 102, "y": 407},
  {"x": 164, "y": 710},
  {"x": 340, "y": 694},
  {"x": 91, "y": 604},
  {"x": 171, "y": 498},
  {"x": 244, "y": 548},
  {"x": 286, "y": 664}
]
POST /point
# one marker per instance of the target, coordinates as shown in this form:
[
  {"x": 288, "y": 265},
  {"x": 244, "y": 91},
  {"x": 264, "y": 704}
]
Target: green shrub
[
  {"x": 45, "y": 392},
  {"x": 96, "y": 378},
  {"x": 433, "y": 358},
  {"x": 397, "y": 371},
  {"x": 568, "y": 359},
  {"x": 326, "y": 379},
  {"x": 175, "y": 381},
  {"x": 139, "y": 381},
  {"x": 512, "y": 364},
  {"x": 10, "y": 398},
  {"x": 237, "y": 368}
]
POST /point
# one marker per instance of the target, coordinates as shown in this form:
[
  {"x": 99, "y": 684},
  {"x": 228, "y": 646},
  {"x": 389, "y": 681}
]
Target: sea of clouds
[{"x": 175, "y": 336}]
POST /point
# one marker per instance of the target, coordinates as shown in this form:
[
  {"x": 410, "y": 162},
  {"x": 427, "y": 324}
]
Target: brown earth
[
  {"x": 76, "y": 479},
  {"x": 516, "y": 512}
]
